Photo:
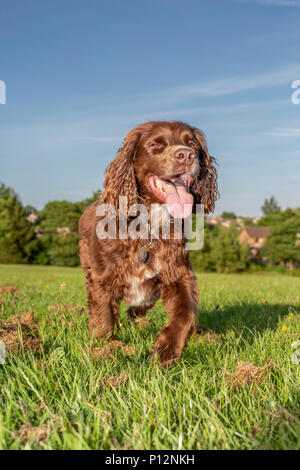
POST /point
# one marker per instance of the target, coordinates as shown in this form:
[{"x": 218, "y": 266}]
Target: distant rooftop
[{"x": 257, "y": 231}]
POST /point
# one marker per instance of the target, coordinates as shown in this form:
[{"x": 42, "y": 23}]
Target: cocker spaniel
[{"x": 162, "y": 163}]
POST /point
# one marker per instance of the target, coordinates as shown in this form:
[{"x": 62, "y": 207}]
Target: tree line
[
  {"x": 222, "y": 251},
  {"x": 50, "y": 236}
]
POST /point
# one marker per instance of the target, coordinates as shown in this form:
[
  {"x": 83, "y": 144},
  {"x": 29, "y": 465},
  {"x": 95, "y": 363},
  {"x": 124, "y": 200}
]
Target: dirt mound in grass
[
  {"x": 115, "y": 380},
  {"x": 34, "y": 433},
  {"x": 142, "y": 323},
  {"x": 205, "y": 334},
  {"x": 66, "y": 308},
  {"x": 26, "y": 318},
  {"x": 118, "y": 446},
  {"x": 278, "y": 419},
  {"x": 247, "y": 373},
  {"x": 20, "y": 331},
  {"x": 9, "y": 290},
  {"x": 209, "y": 337},
  {"x": 38, "y": 434},
  {"x": 108, "y": 350}
]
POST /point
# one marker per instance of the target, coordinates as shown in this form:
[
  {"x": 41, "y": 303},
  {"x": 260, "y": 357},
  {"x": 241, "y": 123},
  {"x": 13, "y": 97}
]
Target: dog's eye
[
  {"x": 155, "y": 145},
  {"x": 191, "y": 143}
]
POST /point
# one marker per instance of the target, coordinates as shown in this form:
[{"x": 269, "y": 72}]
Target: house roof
[{"x": 257, "y": 231}]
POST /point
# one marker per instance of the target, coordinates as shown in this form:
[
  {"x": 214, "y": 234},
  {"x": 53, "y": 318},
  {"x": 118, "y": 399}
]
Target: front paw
[
  {"x": 100, "y": 331},
  {"x": 168, "y": 348}
]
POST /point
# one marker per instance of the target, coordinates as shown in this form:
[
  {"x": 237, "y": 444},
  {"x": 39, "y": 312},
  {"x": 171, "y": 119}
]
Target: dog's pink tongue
[{"x": 179, "y": 201}]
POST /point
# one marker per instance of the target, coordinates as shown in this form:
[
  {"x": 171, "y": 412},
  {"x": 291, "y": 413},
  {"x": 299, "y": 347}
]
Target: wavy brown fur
[{"x": 113, "y": 271}]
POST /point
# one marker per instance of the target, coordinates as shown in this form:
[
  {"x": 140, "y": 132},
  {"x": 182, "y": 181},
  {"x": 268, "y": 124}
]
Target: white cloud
[
  {"x": 284, "y": 132},
  {"x": 228, "y": 86},
  {"x": 280, "y": 3},
  {"x": 229, "y": 109}
]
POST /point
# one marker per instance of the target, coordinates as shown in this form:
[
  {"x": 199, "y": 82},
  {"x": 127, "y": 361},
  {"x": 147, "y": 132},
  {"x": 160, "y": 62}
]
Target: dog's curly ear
[
  {"x": 120, "y": 179},
  {"x": 205, "y": 188}
]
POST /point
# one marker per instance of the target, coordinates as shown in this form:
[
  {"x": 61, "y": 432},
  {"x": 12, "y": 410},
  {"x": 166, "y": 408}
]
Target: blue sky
[{"x": 81, "y": 73}]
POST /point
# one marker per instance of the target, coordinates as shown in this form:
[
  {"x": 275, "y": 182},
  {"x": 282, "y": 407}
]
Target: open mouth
[{"x": 174, "y": 192}]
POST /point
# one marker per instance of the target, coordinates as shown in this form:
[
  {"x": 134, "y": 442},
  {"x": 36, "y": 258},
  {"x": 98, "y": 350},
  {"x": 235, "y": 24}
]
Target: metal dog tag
[{"x": 143, "y": 255}]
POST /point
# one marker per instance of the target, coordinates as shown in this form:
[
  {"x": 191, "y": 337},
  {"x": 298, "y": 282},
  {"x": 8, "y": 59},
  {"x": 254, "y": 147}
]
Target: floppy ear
[
  {"x": 120, "y": 179},
  {"x": 205, "y": 188}
]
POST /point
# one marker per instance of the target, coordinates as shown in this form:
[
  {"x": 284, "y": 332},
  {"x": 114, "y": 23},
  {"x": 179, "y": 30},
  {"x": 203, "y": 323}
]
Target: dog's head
[{"x": 164, "y": 162}]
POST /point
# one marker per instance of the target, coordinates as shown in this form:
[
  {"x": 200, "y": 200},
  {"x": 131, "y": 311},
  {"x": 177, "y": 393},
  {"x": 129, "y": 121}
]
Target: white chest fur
[{"x": 141, "y": 290}]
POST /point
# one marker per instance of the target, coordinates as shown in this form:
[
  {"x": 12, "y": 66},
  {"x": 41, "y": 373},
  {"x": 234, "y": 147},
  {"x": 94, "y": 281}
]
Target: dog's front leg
[
  {"x": 181, "y": 302},
  {"x": 103, "y": 311}
]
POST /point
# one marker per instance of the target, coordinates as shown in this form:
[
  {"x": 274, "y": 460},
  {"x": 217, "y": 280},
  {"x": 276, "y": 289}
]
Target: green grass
[{"x": 192, "y": 405}]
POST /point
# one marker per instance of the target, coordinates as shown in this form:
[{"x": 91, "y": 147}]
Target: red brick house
[{"x": 255, "y": 238}]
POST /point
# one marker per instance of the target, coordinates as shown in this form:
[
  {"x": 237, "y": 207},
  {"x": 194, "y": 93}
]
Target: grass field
[{"x": 235, "y": 387}]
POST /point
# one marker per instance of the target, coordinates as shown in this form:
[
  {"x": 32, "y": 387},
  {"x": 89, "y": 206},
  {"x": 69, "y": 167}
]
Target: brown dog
[{"x": 163, "y": 163}]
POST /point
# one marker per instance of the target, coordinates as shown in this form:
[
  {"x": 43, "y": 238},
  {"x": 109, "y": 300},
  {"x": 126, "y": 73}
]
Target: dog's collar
[{"x": 143, "y": 253}]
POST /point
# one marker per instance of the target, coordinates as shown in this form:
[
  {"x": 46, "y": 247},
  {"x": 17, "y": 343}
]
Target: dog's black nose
[{"x": 185, "y": 155}]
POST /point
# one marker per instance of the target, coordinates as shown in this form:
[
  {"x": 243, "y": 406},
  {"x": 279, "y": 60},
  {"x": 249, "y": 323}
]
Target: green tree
[
  {"x": 64, "y": 251},
  {"x": 59, "y": 222},
  {"x": 30, "y": 210},
  {"x": 60, "y": 214},
  {"x": 282, "y": 243},
  {"x": 270, "y": 206},
  {"x": 229, "y": 256},
  {"x": 248, "y": 222},
  {"x": 18, "y": 243},
  {"x": 221, "y": 251},
  {"x": 228, "y": 215},
  {"x": 203, "y": 260},
  {"x": 278, "y": 218}
]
